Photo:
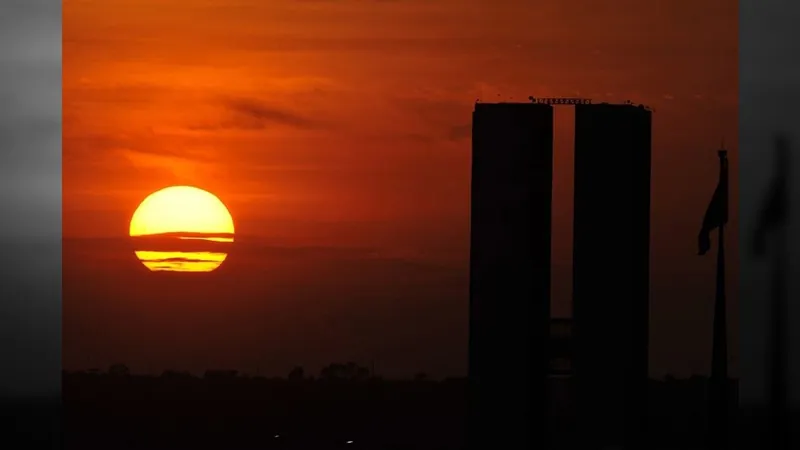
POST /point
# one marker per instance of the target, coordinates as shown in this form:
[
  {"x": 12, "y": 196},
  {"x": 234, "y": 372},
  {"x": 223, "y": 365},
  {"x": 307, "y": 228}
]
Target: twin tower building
[{"x": 511, "y": 224}]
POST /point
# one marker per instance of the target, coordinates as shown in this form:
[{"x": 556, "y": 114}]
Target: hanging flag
[{"x": 717, "y": 211}]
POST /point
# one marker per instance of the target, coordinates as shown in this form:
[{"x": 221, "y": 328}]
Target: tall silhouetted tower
[
  {"x": 512, "y": 172},
  {"x": 611, "y": 267}
]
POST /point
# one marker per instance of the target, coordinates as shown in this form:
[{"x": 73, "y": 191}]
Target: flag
[
  {"x": 717, "y": 211},
  {"x": 774, "y": 212}
]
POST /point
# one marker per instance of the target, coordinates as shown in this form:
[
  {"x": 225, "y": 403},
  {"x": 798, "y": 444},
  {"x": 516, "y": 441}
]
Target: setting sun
[
  {"x": 167, "y": 219},
  {"x": 181, "y": 209}
]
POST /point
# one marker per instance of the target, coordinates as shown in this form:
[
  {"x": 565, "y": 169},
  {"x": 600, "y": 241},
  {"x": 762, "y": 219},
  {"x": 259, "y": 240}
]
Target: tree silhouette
[
  {"x": 119, "y": 370},
  {"x": 362, "y": 373},
  {"x": 296, "y": 374},
  {"x": 176, "y": 374},
  {"x": 347, "y": 371},
  {"x": 333, "y": 371},
  {"x": 220, "y": 374}
]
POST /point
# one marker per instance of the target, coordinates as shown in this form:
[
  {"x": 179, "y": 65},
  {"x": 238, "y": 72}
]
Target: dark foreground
[{"x": 175, "y": 413}]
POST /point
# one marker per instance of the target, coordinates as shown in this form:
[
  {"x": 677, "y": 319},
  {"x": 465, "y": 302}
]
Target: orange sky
[{"x": 345, "y": 125}]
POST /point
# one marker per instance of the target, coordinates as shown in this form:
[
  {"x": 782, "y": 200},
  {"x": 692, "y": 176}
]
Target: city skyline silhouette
[
  {"x": 399, "y": 225},
  {"x": 346, "y": 171},
  {"x": 610, "y": 398},
  {"x": 395, "y": 261}
]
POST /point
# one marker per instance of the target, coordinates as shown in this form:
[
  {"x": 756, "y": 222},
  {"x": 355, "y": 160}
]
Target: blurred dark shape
[
  {"x": 297, "y": 374},
  {"x": 119, "y": 370},
  {"x": 221, "y": 375},
  {"x": 184, "y": 411},
  {"x": 772, "y": 223},
  {"x": 773, "y": 213},
  {"x": 348, "y": 371},
  {"x": 176, "y": 375}
]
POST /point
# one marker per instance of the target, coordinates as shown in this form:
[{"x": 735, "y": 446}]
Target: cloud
[
  {"x": 141, "y": 144},
  {"x": 460, "y": 132},
  {"x": 361, "y": 300},
  {"x": 253, "y": 114},
  {"x": 146, "y": 149},
  {"x": 184, "y": 162},
  {"x": 346, "y": 1},
  {"x": 436, "y": 116},
  {"x": 252, "y": 251},
  {"x": 184, "y": 154},
  {"x": 263, "y": 113}
]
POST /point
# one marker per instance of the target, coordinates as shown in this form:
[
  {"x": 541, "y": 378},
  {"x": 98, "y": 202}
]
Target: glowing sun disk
[{"x": 182, "y": 209}]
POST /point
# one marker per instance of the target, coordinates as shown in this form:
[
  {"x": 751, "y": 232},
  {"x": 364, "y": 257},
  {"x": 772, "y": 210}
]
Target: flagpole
[{"x": 719, "y": 395}]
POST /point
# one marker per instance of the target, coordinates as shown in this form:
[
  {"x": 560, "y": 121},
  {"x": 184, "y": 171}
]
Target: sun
[
  {"x": 181, "y": 209},
  {"x": 181, "y": 228}
]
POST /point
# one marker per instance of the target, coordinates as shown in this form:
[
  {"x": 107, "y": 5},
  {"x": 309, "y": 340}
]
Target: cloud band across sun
[{"x": 181, "y": 216}]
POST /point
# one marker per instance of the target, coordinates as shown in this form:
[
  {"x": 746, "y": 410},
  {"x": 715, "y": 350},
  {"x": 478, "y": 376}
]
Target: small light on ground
[{"x": 349, "y": 442}]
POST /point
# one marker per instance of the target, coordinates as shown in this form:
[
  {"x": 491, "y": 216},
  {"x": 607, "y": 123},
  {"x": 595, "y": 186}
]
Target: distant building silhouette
[
  {"x": 512, "y": 171},
  {"x": 611, "y": 270}
]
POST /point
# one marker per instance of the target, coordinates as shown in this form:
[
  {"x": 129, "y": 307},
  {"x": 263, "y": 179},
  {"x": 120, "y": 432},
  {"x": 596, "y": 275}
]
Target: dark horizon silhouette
[
  {"x": 517, "y": 351},
  {"x": 342, "y": 402},
  {"x": 701, "y": 412},
  {"x": 377, "y": 236},
  {"x": 386, "y": 287}
]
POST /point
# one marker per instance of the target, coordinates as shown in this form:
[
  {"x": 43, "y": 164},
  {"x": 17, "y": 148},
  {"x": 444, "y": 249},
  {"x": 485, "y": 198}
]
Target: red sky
[{"x": 337, "y": 132}]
